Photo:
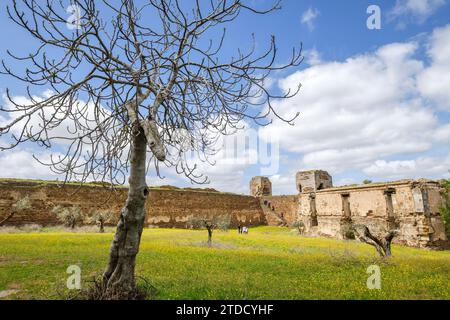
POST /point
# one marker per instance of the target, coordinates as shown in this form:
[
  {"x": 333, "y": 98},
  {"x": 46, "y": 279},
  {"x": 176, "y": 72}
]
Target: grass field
[{"x": 269, "y": 263}]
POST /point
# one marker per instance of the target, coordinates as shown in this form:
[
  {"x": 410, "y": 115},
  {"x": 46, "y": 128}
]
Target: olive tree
[
  {"x": 210, "y": 224},
  {"x": 381, "y": 241},
  {"x": 18, "y": 207},
  {"x": 300, "y": 226},
  {"x": 131, "y": 77},
  {"x": 101, "y": 218},
  {"x": 69, "y": 216}
]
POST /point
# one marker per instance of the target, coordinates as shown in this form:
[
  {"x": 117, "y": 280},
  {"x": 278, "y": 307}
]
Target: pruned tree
[
  {"x": 381, "y": 243},
  {"x": 129, "y": 77},
  {"x": 69, "y": 216},
  {"x": 18, "y": 207},
  {"x": 210, "y": 224},
  {"x": 101, "y": 218},
  {"x": 300, "y": 225}
]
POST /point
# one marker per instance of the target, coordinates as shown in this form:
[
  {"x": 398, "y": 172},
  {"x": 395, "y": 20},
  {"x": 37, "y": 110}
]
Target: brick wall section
[
  {"x": 173, "y": 208},
  {"x": 165, "y": 207},
  {"x": 286, "y": 205}
]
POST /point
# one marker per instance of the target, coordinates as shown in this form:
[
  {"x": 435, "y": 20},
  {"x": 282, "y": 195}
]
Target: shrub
[
  {"x": 101, "y": 218},
  {"x": 69, "y": 216},
  {"x": 300, "y": 226},
  {"x": 217, "y": 222},
  {"x": 32, "y": 227},
  {"x": 21, "y": 205},
  {"x": 445, "y": 207}
]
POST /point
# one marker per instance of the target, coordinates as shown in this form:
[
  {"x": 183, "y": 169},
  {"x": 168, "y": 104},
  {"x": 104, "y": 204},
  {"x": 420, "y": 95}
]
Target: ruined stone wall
[
  {"x": 260, "y": 186},
  {"x": 173, "y": 208},
  {"x": 313, "y": 180},
  {"x": 412, "y": 207},
  {"x": 284, "y": 206},
  {"x": 165, "y": 208}
]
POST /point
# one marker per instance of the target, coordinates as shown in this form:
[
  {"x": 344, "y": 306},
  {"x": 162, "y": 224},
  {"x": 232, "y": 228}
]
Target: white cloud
[
  {"x": 345, "y": 182},
  {"x": 442, "y": 134},
  {"x": 433, "y": 167},
  {"x": 227, "y": 167},
  {"x": 367, "y": 108},
  {"x": 365, "y": 115},
  {"x": 283, "y": 184},
  {"x": 20, "y": 164},
  {"x": 407, "y": 11},
  {"x": 309, "y": 16},
  {"x": 313, "y": 57},
  {"x": 434, "y": 81},
  {"x": 58, "y": 120}
]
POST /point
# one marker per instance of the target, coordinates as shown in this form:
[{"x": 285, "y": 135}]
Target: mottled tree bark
[
  {"x": 72, "y": 223},
  {"x": 381, "y": 243},
  {"x": 210, "y": 233},
  {"x": 102, "y": 225},
  {"x": 119, "y": 279}
]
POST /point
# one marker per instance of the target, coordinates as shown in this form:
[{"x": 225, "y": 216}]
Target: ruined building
[
  {"x": 260, "y": 186},
  {"x": 411, "y": 206}
]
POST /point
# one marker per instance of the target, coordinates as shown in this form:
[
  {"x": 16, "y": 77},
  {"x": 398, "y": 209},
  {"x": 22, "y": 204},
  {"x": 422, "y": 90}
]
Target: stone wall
[
  {"x": 260, "y": 186},
  {"x": 166, "y": 207},
  {"x": 285, "y": 207},
  {"x": 313, "y": 180},
  {"x": 410, "y": 206}
]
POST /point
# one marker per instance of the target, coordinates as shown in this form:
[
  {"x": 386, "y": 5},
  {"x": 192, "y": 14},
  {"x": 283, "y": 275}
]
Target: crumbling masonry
[{"x": 411, "y": 206}]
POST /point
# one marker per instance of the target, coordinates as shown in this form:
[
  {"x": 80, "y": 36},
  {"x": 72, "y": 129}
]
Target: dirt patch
[{"x": 5, "y": 293}]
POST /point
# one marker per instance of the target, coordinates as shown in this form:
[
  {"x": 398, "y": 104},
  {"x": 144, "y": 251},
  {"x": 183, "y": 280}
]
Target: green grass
[{"x": 269, "y": 263}]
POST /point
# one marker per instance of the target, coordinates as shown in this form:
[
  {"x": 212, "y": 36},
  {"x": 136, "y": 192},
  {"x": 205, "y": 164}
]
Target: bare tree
[
  {"x": 210, "y": 224},
  {"x": 20, "y": 206},
  {"x": 381, "y": 243},
  {"x": 132, "y": 77}
]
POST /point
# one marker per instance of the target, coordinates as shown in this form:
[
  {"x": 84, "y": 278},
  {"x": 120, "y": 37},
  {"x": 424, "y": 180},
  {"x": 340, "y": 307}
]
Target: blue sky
[{"x": 375, "y": 104}]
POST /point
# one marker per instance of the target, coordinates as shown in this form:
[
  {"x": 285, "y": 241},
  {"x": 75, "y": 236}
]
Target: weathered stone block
[{"x": 313, "y": 180}]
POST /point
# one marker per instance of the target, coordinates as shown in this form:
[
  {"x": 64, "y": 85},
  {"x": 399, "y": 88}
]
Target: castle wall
[
  {"x": 260, "y": 186},
  {"x": 173, "y": 208},
  {"x": 165, "y": 207},
  {"x": 285, "y": 206},
  {"x": 409, "y": 206}
]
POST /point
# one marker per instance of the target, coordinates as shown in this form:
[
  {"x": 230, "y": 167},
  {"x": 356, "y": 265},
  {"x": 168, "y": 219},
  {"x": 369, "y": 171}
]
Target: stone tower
[
  {"x": 260, "y": 186},
  {"x": 313, "y": 180}
]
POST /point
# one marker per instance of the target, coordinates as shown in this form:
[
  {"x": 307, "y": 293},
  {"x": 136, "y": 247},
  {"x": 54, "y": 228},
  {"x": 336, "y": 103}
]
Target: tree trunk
[
  {"x": 119, "y": 278},
  {"x": 102, "y": 228},
  {"x": 381, "y": 244},
  {"x": 72, "y": 223},
  {"x": 210, "y": 232},
  {"x": 6, "y": 219}
]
